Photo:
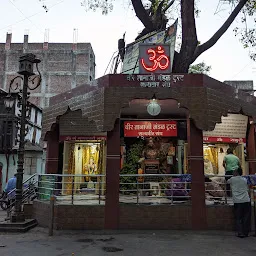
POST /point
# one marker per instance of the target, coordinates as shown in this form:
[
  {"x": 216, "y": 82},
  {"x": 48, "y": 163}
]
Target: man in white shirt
[{"x": 242, "y": 203}]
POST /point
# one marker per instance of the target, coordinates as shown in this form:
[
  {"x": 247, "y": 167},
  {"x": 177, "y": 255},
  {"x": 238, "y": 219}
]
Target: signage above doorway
[
  {"x": 81, "y": 137},
  {"x": 150, "y": 129},
  {"x": 156, "y": 81},
  {"x": 131, "y": 63},
  {"x": 232, "y": 129}
]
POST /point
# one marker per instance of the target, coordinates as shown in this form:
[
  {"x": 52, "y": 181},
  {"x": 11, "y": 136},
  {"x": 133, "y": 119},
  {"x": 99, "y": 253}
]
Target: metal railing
[
  {"x": 72, "y": 189},
  {"x": 217, "y": 190},
  {"x": 171, "y": 189},
  {"x": 29, "y": 193},
  {"x": 133, "y": 189},
  {"x": 154, "y": 189}
]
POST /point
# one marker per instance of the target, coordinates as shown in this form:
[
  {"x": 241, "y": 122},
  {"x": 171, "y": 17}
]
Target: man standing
[
  {"x": 230, "y": 163},
  {"x": 242, "y": 204}
]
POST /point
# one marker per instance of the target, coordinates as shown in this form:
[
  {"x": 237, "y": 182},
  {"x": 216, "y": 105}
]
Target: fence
[
  {"x": 171, "y": 189},
  {"x": 133, "y": 189},
  {"x": 72, "y": 189},
  {"x": 154, "y": 188}
]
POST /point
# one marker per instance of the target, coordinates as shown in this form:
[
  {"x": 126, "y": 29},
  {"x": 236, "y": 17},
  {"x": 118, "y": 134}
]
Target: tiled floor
[{"x": 91, "y": 199}]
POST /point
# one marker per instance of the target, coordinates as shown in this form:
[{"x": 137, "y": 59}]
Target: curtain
[
  {"x": 71, "y": 170},
  {"x": 78, "y": 167},
  {"x": 211, "y": 160}
]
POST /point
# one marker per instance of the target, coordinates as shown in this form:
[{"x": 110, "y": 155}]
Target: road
[{"x": 127, "y": 243}]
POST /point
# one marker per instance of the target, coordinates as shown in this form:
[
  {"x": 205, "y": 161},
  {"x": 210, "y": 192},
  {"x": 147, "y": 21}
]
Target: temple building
[{"x": 177, "y": 124}]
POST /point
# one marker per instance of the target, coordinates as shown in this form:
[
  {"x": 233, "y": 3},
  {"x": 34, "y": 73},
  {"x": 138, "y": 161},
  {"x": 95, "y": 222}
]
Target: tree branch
[
  {"x": 142, "y": 14},
  {"x": 213, "y": 40},
  {"x": 168, "y": 6},
  {"x": 159, "y": 8}
]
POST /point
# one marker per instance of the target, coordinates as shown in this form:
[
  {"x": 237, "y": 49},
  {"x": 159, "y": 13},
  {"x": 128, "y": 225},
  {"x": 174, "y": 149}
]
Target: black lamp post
[{"x": 26, "y": 64}]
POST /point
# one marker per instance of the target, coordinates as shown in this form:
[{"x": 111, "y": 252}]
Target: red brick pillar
[
  {"x": 251, "y": 149},
  {"x": 196, "y": 169},
  {"x": 52, "y": 154},
  {"x": 112, "y": 178}
]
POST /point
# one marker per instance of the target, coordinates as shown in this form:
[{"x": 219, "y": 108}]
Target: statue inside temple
[
  {"x": 150, "y": 151},
  {"x": 91, "y": 167}
]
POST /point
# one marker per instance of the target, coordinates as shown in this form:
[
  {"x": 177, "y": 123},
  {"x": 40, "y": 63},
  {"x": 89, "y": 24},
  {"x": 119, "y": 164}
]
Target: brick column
[
  {"x": 112, "y": 178},
  {"x": 196, "y": 169},
  {"x": 251, "y": 149},
  {"x": 52, "y": 154}
]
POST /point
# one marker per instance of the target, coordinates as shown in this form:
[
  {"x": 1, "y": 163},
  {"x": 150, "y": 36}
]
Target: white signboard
[
  {"x": 131, "y": 63},
  {"x": 231, "y": 126}
]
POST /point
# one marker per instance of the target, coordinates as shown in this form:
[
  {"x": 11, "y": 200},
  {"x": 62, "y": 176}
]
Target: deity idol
[
  {"x": 150, "y": 151},
  {"x": 91, "y": 167}
]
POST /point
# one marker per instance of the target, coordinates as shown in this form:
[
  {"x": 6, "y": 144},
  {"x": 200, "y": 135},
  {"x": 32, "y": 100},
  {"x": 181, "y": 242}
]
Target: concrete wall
[
  {"x": 220, "y": 217},
  {"x": 34, "y": 162},
  {"x": 63, "y": 66},
  {"x": 173, "y": 217},
  {"x": 155, "y": 217},
  {"x": 70, "y": 216},
  {"x": 12, "y": 167}
]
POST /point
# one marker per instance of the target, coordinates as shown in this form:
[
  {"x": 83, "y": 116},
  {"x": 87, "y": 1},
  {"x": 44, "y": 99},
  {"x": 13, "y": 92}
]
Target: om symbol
[{"x": 158, "y": 59}]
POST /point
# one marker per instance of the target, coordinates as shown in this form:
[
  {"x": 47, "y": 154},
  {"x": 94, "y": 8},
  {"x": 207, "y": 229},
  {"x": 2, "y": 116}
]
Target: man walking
[{"x": 242, "y": 204}]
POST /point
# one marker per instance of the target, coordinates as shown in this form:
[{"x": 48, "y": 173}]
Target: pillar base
[{"x": 18, "y": 217}]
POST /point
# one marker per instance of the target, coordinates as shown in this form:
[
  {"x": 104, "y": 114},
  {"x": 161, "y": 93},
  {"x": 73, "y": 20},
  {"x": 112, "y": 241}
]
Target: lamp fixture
[{"x": 9, "y": 102}]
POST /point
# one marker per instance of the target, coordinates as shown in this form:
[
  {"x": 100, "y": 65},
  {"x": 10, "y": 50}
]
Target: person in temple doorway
[{"x": 230, "y": 163}]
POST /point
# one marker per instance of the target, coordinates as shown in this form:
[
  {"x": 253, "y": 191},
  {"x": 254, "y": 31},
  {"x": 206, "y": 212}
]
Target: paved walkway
[{"x": 126, "y": 243}]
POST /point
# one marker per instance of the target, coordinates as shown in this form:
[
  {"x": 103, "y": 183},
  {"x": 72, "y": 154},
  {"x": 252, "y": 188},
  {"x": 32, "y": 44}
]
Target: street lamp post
[{"x": 26, "y": 63}]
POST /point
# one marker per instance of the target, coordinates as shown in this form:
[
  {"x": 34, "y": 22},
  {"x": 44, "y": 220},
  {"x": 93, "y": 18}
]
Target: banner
[
  {"x": 150, "y": 128},
  {"x": 76, "y": 138},
  {"x": 131, "y": 58},
  {"x": 224, "y": 140}
]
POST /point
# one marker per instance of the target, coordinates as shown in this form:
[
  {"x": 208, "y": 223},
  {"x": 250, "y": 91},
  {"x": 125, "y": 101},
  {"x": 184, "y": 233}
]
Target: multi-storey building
[
  {"x": 9, "y": 140},
  {"x": 242, "y": 85},
  {"x": 63, "y": 66}
]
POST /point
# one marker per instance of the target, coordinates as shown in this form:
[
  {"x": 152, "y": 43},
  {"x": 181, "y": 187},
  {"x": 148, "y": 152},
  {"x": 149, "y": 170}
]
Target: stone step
[{"x": 18, "y": 226}]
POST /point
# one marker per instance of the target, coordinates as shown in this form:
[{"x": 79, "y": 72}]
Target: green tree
[
  {"x": 131, "y": 166},
  {"x": 153, "y": 15},
  {"x": 200, "y": 68}
]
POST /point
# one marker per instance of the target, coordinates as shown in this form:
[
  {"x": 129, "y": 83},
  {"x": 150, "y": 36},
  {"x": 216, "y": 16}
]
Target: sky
[{"x": 228, "y": 59}]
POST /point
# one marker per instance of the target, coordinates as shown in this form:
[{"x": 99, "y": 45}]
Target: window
[
  {"x": 34, "y": 136},
  {"x": 36, "y": 112},
  {"x": 30, "y": 165},
  {"x": 7, "y": 135}
]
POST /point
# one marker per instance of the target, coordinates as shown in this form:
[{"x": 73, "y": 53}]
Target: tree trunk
[{"x": 183, "y": 59}]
